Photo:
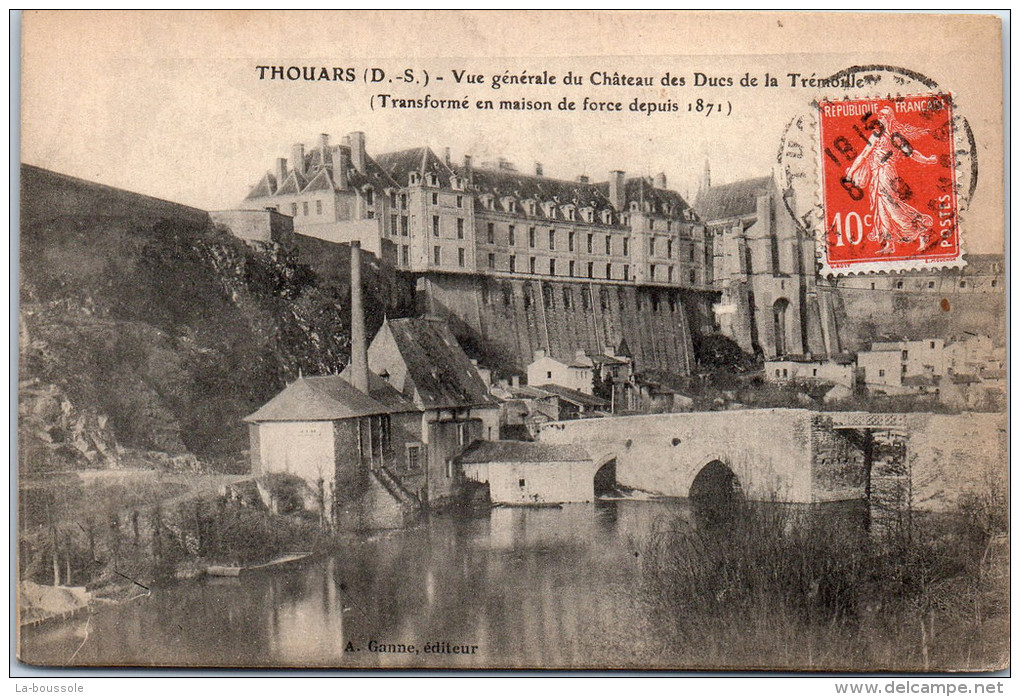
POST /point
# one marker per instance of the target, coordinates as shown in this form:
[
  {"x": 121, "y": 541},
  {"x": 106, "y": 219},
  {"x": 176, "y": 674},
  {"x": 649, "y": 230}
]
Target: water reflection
[{"x": 527, "y": 587}]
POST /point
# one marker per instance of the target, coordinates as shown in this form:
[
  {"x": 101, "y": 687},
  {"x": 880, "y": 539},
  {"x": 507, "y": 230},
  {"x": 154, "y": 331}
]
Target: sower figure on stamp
[{"x": 874, "y": 171}]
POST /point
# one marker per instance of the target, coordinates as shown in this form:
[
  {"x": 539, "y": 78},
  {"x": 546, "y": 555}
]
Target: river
[{"x": 516, "y": 588}]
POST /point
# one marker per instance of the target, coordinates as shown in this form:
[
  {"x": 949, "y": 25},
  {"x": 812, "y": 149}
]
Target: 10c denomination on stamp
[{"x": 888, "y": 183}]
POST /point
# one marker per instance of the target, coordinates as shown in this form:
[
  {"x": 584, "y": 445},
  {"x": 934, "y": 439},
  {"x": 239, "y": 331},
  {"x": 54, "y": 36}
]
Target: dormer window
[
  {"x": 508, "y": 204},
  {"x": 433, "y": 179},
  {"x": 635, "y": 206},
  {"x": 550, "y": 209},
  {"x": 456, "y": 183},
  {"x": 587, "y": 214},
  {"x": 489, "y": 201},
  {"x": 413, "y": 179},
  {"x": 529, "y": 206},
  {"x": 607, "y": 217},
  {"x": 369, "y": 195}
]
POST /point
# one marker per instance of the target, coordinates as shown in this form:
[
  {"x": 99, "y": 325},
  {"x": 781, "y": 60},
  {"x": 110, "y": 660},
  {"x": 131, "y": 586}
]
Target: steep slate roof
[
  {"x": 327, "y": 398},
  {"x": 731, "y": 200},
  {"x": 521, "y": 451},
  {"x": 642, "y": 190},
  {"x": 319, "y": 175},
  {"x": 292, "y": 184},
  {"x": 398, "y": 165},
  {"x": 441, "y": 373},
  {"x": 502, "y": 182},
  {"x": 265, "y": 187}
]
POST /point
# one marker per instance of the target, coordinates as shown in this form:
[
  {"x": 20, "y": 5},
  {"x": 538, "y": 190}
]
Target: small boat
[{"x": 286, "y": 562}]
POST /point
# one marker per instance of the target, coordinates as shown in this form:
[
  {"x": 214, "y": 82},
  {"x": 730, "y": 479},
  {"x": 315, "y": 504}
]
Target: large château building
[
  {"x": 521, "y": 261},
  {"x": 424, "y": 213}
]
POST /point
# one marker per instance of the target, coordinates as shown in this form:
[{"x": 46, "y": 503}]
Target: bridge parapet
[
  {"x": 769, "y": 450},
  {"x": 879, "y": 421},
  {"x": 794, "y": 455}
]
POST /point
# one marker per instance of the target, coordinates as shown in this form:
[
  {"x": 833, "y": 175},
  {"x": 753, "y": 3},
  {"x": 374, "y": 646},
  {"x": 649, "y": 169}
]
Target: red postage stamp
[{"x": 888, "y": 183}]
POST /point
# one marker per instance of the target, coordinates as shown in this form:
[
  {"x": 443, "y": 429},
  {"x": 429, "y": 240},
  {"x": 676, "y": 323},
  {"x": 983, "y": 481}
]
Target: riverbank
[{"x": 117, "y": 532}]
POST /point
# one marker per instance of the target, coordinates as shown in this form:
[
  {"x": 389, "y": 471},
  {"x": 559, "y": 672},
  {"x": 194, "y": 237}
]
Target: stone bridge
[{"x": 787, "y": 455}]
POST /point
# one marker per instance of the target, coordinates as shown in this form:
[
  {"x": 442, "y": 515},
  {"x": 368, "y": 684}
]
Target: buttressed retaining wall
[{"x": 518, "y": 316}]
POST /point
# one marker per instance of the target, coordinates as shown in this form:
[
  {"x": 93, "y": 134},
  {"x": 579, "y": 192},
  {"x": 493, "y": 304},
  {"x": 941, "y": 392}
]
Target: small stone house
[{"x": 526, "y": 473}]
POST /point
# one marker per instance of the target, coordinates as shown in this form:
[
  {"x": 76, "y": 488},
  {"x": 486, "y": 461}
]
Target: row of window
[
  {"x": 653, "y": 243},
  {"x": 304, "y": 208}
]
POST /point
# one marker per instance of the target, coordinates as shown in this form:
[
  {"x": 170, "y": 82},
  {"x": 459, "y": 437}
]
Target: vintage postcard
[{"x": 485, "y": 340}]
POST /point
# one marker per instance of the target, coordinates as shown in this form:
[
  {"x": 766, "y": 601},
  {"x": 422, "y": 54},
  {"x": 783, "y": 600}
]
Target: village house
[
  {"x": 575, "y": 373},
  {"x": 574, "y": 404},
  {"x": 647, "y": 393},
  {"x": 375, "y": 445},
  {"x": 525, "y": 473},
  {"x": 838, "y": 371},
  {"x": 524, "y": 410},
  {"x": 421, "y": 359}
]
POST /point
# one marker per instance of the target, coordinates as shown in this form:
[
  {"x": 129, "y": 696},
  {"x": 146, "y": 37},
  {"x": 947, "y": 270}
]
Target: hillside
[{"x": 145, "y": 327}]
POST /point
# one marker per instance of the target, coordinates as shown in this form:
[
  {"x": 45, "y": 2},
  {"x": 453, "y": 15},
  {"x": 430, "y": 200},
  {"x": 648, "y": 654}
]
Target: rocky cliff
[{"x": 145, "y": 327}]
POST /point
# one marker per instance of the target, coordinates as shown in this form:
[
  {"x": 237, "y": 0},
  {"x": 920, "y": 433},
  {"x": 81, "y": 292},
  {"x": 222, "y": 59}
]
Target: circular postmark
[{"x": 879, "y": 171}]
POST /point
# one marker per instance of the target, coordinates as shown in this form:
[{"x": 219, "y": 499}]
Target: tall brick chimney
[
  {"x": 617, "y": 189},
  {"x": 297, "y": 157},
  {"x": 468, "y": 174},
  {"x": 538, "y": 169},
  {"x": 660, "y": 180},
  {"x": 359, "y": 347},
  {"x": 357, "y": 141},
  {"x": 281, "y": 170}
]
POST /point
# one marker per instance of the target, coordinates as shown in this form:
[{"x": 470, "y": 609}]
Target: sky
[{"x": 171, "y": 104}]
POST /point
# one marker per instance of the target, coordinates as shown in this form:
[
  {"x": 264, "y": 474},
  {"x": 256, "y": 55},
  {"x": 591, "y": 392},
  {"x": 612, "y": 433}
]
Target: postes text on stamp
[{"x": 888, "y": 183}]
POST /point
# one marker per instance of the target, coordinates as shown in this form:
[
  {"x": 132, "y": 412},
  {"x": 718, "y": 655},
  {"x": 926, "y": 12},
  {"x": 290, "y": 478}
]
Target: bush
[{"x": 772, "y": 586}]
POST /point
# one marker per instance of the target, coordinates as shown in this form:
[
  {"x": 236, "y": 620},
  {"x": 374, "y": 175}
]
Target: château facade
[{"x": 424, "y": 213}]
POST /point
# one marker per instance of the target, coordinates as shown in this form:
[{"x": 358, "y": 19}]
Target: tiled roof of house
[
  {"x": 383, "y": 393},
  {"x": 521, "y": 451},
  {"x": 327, "y": 398},
  {"x": 574, "y": 396},
  {"x": 921, "y": 380},
  {"x": 441, "y": 373},
  {"x": 733, "y": 200}
]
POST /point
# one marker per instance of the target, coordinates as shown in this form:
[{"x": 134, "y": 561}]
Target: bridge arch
[
  {"x": 604, "y": 474},
  {"x": 715, "y": 484}
]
